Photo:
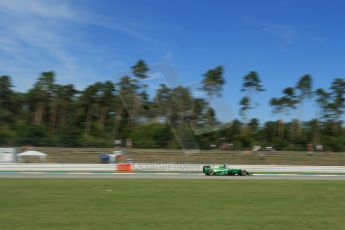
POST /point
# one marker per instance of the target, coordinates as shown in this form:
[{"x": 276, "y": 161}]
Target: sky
[{"x": 85, "y": 41}]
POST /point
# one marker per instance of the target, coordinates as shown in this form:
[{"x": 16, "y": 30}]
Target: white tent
[
  {"x": 30, "y": 153},
  {"x": 7, "y": 155}
]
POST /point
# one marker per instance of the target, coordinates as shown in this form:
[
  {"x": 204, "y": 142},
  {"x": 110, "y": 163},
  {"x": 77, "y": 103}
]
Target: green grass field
[{"x": 48, "y": 204}]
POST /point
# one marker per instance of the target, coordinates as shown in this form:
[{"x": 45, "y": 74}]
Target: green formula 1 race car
[{"x": 223, "y": 170}]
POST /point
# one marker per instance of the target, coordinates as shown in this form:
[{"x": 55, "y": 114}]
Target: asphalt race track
[
  {"x": 196, "y": 176},
  {"x": 168, "y": 171}
]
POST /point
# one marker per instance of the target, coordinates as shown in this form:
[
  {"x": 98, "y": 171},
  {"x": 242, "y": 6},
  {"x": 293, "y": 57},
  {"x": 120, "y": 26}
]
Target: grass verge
[{"x": 170, "y": 204}]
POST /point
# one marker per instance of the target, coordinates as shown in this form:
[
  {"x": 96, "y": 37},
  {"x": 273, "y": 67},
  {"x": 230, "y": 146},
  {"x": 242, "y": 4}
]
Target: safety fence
[
  {"x": 152, "y": 167},
  {"x": 174, "y": 156}
]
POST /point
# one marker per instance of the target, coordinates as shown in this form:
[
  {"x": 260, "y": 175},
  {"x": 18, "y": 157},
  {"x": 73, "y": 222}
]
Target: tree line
[{"x": 53, "y": 114}]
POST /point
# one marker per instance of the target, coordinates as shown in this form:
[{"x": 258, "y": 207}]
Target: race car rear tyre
[{"x": 211, "y": 172}]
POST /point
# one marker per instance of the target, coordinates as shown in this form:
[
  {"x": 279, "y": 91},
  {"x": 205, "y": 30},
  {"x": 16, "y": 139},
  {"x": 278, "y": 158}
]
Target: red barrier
[{"x": 124, "y": 167}]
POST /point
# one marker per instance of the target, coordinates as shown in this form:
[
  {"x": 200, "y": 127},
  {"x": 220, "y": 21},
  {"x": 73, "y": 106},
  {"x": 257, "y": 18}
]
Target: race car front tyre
[{"x": 244, "y": 173}]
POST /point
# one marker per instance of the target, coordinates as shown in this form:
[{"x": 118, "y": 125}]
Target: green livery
[{"x": 223, "y": 170}]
